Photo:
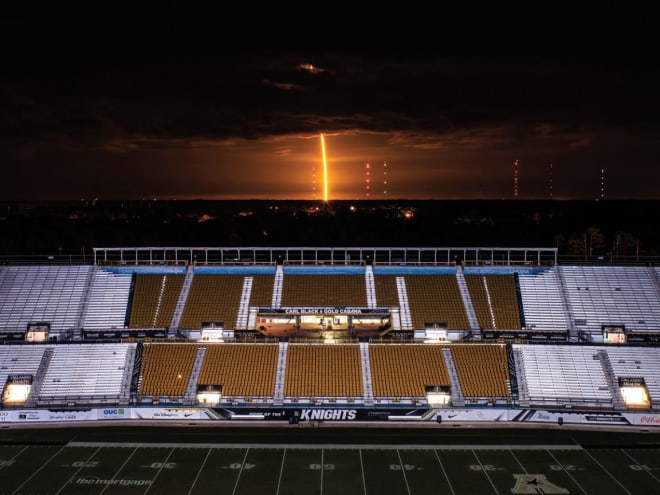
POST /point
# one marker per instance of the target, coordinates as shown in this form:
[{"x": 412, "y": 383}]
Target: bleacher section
[
  {"x": 107, "y": 300},
  {"x": 386, "y": 291},
  {"x": 213, "y": 298},
  {"x": 575, "y": 377},
  {"x": 404, "y": 371},
  {"x": 50, "y": 293},
  {"x": 634, "y": 362},
  {"x": 324, "y": 290},
  {"x": 19, "y": 360},
  {"x": 556, "y": 375},
  {"x": 314, "y": 371},
  {"x": 436, "y": 298},
  {"x": 495, "y": 301},
  {"x": 390, "y": 369},
  {"x": 82, "y": 374},
  {"x": 611, "y": 295},
  {"x": 154, "y": 299},
  {"x": 542, "y": 301},
  {"x": 165, "y": 371},
  {"x": 262, "y": 290},
  {"x": 243, "y": 370},
  {"x": 581, "y": 299},
  {"x": 482, "y": 371}
]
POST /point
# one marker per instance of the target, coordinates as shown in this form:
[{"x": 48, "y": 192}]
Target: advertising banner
[
  {"x": 165, "y": 413},
  {"x": 54, "y": 415},
  {"x": 114, "y": 413},
  {"x": 317, "y": 414},
  {"x": 490, "y": 414},
  {"x": 643, "y": 419}
]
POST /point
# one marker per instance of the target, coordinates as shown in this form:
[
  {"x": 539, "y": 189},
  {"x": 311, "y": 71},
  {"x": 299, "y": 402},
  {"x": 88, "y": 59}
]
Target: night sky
[{"x": 191, "y": 103}]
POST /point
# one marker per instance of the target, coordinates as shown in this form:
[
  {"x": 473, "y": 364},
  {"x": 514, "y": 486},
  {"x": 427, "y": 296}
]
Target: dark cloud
[{"x": 429, "y": 79}]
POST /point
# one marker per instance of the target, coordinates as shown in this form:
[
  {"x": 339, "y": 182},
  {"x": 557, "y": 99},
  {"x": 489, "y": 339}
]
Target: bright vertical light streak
[{"x": 325, "y": 170}]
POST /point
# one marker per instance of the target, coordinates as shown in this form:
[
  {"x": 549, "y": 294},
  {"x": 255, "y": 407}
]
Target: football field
[{"x": 254, "y": 461}]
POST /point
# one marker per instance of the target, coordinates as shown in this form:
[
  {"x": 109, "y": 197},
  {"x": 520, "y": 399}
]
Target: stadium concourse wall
[{"x": 119, "y": 415}]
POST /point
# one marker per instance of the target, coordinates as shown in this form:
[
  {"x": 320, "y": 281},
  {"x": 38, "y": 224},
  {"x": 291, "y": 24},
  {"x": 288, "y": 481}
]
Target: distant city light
[
  {"x": 515, "y": 179},
  {"x": 367, "y": 180}
]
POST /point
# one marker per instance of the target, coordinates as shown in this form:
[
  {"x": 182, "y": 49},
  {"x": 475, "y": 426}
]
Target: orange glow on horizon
[{"x": 325, "y": 170}]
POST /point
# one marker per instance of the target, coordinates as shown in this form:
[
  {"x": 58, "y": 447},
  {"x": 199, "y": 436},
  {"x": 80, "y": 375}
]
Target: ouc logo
[{"x": 113, "y": 412}]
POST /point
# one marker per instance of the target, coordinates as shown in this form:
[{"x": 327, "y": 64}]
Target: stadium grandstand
[{"x": 296, "y": 334}]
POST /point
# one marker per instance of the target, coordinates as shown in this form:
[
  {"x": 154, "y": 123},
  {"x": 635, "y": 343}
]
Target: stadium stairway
[
  {"x": 523, "y": 393},
  {"x": 491, "y": 312},
  {"x": 404, "y": 314},
  {"x": 277, "y": 287},
  {"x": 278, "y": 396},
  {"x": 612, "y": 381},
  {"x": 467, "y": 302},
  {"x": 135, "y": 374},
  {"x": 77, "y": 331},
  {"x": 371, "y": 287},
  {"x": 125, "y": 394},
  {"x": 521, "y": 309},
  {"x": 457, "y": 398},
  {"x": 35, "y": 390},
  {"x": 161, "y": 292},
  {"x": 244, "y": 306},
  {"x": 513, "y": 376},
  {"x": 183, "y": 297},
  {"x": 191, "y": 389},
  {"x": 367, "y": 386},
  {"x": 572, "y": 332}
]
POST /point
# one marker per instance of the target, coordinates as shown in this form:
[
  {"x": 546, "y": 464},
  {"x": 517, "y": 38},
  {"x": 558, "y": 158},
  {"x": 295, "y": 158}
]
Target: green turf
[
  {"x": 163, "y": 470},
  {"x": 304, "y": 461}
]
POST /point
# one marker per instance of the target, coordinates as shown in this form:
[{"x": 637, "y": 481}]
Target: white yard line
[
  {"x": 518, "y": 461},
  {"x": 364, "y": 481},
  {"x": 403, "y": 471},
  {"x": 444, "y": 471},
  {"x": 645, "y": 470},
  {"x": 14, "y": 458},
  {"x": 162, "y": 465},
  {"x": 279, "y": 479},
  {"x": 568, "y": 473},
  {"x": 607, "y": 471},
  {"x": 321, "y": 472},
  {"x": 485, "y": 472},
  {"x": 238, "y": 477},
  {"x": 199, "y": 471},
  {"x": 36, "y": 471}
]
